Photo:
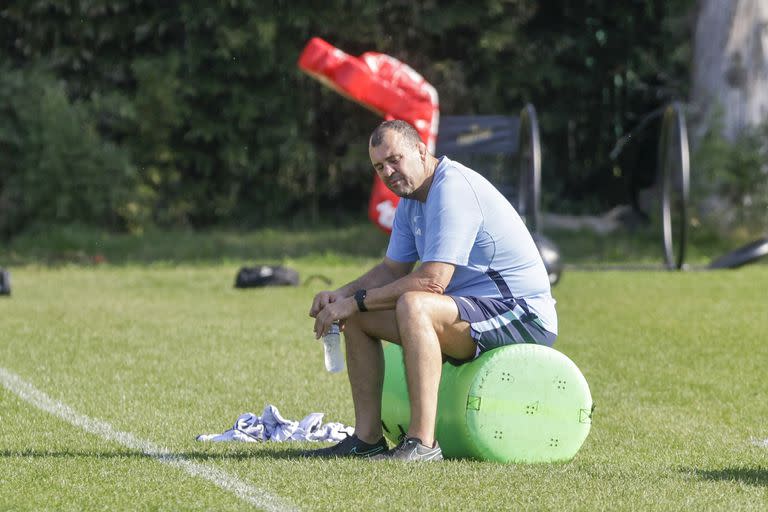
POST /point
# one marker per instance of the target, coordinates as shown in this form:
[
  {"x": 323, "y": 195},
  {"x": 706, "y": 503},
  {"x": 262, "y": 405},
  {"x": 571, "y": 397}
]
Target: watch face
[{"x": 360, "y": 297}]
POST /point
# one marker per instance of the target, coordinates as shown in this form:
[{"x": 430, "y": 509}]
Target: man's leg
[
  {"x": 365, "y": 367},
  {"x": 429, "y": 326}
]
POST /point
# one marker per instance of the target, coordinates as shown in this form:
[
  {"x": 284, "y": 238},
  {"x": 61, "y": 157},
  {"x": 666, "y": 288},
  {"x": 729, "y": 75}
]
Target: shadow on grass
[
  {"x": 289, "y": 453},
  {"x": 201, "y": 457},
  {"x": 751, "y": 476}
]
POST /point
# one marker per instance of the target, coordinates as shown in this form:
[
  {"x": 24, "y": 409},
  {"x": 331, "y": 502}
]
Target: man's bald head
[{"x": 406, "y": 131}]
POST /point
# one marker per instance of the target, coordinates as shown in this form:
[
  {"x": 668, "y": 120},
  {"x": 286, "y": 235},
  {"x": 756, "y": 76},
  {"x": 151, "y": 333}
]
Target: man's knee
[{"x": 412, "y": 306}]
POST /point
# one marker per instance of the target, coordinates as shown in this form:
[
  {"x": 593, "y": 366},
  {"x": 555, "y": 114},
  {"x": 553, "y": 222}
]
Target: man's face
[{"x": 400, "y": 165}]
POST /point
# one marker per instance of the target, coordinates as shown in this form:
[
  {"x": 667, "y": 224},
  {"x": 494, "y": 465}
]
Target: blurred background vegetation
[{"x": 130, "y": 115}]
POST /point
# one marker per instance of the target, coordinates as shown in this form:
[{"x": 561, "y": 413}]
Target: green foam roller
[{"x": 518, "y": 403}]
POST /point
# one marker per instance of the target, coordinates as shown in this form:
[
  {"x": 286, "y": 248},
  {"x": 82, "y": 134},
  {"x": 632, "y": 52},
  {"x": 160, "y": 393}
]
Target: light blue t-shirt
[{"x": 467, "y": 222}]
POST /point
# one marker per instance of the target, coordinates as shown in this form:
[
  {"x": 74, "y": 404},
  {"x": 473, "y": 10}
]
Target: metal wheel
[
  {"x": 529, "y": 190},
  {"x": 674, "y": 172}
]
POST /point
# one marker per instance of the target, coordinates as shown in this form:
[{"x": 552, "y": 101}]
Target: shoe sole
[
  {"x": 352, "y": 455},
  {"x": 427, "y": 457}
]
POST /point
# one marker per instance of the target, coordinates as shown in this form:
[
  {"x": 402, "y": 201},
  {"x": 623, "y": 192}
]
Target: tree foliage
[
  {"x": 54, "y": 167},
  {"x": 200, "y": 109}
]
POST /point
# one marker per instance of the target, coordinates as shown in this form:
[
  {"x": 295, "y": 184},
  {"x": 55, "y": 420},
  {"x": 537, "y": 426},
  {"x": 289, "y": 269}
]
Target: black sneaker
[
  {"x": 352, "y": 446},
  {"x": 410, "y": 449}
]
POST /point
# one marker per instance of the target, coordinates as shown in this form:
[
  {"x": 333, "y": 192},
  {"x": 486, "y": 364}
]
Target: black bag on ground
[
  {"x": 266, "y": 275},
  {"x": 5, "y": 282}
]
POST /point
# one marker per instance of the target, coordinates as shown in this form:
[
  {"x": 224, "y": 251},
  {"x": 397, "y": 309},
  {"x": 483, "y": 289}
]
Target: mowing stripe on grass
[{"x": 241, "y": 489}]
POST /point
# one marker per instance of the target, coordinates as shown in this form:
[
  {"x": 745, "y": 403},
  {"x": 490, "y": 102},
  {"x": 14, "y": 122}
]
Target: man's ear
[{"x": 423, "y": 150}]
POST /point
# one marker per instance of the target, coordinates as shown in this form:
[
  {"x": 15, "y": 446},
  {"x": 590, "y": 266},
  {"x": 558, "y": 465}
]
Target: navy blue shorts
[{"x": 498, "y": 322}]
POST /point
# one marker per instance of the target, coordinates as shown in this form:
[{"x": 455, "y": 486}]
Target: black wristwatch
[{"x": 360, "y": 299}]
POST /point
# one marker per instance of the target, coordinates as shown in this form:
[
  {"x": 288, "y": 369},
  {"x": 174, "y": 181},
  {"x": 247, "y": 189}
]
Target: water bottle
[{"x": 334, "y": 359}]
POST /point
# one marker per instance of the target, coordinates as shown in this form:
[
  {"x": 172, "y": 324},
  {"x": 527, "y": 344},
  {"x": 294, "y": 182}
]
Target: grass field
[{"x": 164, "y": 351}]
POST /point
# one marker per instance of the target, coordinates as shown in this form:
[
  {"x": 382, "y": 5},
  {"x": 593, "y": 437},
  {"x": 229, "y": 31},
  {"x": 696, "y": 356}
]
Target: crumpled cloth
[{"x": 271, "y": 426}]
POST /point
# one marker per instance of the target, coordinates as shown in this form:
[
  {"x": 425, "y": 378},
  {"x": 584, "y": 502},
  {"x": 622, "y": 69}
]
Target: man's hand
[
  {"x": 336, "y": 311},
  {"x": 321, "y": 300}
]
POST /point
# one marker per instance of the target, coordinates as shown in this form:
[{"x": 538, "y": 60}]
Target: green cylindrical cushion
[{"x": 517, "y": 403}]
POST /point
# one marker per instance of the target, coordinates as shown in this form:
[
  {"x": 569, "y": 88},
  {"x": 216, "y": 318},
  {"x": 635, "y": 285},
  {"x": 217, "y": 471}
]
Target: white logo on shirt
[{"x": 415, "y": 222}]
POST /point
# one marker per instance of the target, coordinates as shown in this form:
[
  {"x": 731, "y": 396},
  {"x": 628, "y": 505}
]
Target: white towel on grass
[{"x": 271, "y": 426}]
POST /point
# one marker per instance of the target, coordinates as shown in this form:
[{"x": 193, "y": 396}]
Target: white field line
[{"x": 231, "y": 483}]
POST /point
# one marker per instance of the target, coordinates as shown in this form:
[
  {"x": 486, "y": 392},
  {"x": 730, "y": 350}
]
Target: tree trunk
[{"x": 730, "y": 70}]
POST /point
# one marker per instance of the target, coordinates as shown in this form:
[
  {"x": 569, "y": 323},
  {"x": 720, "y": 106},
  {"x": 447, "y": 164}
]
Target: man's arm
[
  {"x": 432, "y": 277},
  {"x": 382, "y": 274}
]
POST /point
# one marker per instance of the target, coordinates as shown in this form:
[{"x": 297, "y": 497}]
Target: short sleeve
[
  {"x": 402, "y": 245},
  {"x": 454, "y": 219}
]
